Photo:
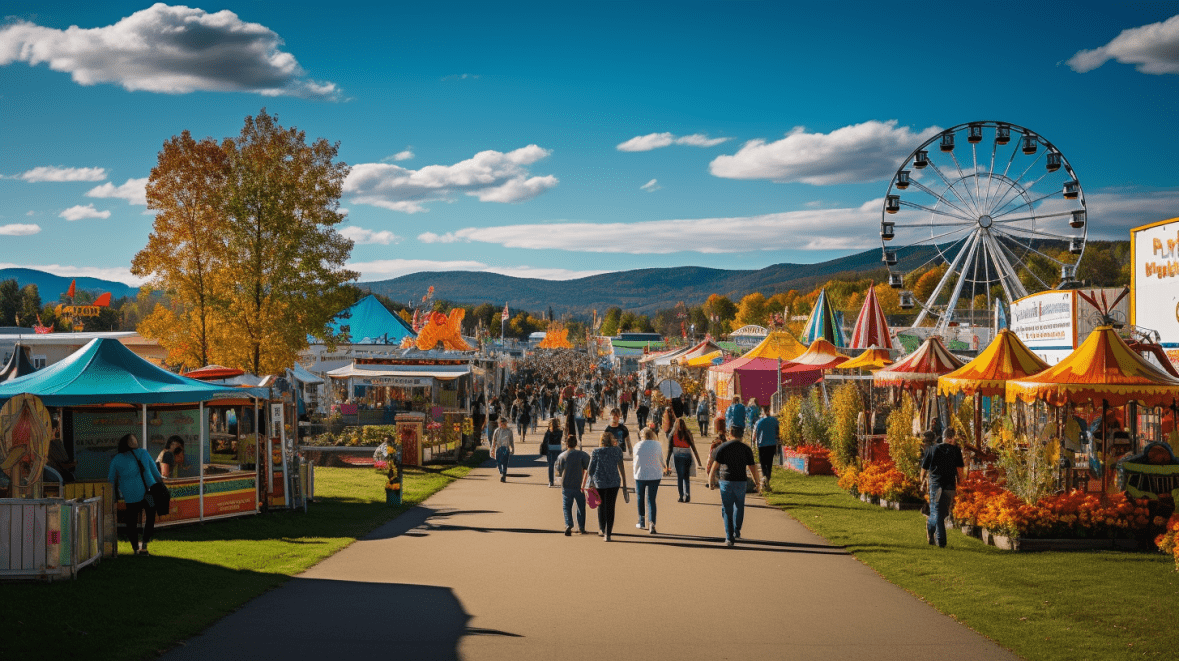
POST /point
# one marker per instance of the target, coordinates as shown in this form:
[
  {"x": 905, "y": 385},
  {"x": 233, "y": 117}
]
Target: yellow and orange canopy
[
  {"x": 1102, "y": 368},
  {"x": 820, "y": 355},
  {"x": 872, "y": 359},
  {"x": 1007, "y": 358}
]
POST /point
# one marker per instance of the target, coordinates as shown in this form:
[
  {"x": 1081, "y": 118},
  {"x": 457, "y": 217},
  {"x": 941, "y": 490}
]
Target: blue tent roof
[
  {"x": 369, "y": 322},
  {"x": 106, "y": 371}
]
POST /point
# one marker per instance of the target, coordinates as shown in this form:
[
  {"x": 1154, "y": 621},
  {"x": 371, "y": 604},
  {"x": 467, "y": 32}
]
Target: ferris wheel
[{"x": 996, "y": 206}]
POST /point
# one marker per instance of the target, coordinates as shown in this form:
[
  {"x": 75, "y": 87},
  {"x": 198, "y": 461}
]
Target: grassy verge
[
  {"x": 1066, "y": 606},
  {"x": 137, "y": 607}
]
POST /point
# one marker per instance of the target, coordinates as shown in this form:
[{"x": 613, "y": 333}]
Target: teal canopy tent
[
  {"x": 824, "y": 323},
  {"x": 368, "y": 322},
  {"x": 105, "y": 371}
]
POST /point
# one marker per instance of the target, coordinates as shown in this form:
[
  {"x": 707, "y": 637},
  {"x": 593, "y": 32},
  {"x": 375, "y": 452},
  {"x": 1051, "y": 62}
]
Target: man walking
[
  {"x": 735, "y": 419},
  {"x": 943, "y": 466},
  {"x": 765, "y": 437},
  {"x": 619, "y": 430},
  {"x": 702, "y": 416},
  {"x": 571, "y": 467},
  {"x": 503, "y": 446},
  {"x": 730, "y": 461}
]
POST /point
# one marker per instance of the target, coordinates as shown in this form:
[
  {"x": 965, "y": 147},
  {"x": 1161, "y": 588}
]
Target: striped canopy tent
[
  {"x": 707, "y": 360},
  {"x": 777, "y": 345},
  {"x": 1102, "y": 371},
  {"x": 823, "y": 323},
  {"x": 1006, "y": 359},
  {"x": 820, "y": 356},
  {"x": 920, "y": 369},
  {"x": 872, "y": 359},
  {"x": 707, "y": 346},
  {"x": 871, "y": 328}
]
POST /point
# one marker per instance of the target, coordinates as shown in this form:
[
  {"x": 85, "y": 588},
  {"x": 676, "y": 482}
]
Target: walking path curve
[{"x": 482, "y": 570}]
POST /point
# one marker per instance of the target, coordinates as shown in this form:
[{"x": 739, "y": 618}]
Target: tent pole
[
  {"x": 978, "y": 433},
  {"x": 1104, "y": 449},
  {"x": 257, "y": 459},
  {"x": 143, "y": 441},
  {"x": 201, "y": 458}
]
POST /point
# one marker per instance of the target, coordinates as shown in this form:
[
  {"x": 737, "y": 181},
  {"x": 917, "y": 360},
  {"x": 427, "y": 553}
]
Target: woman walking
[
  {"x": 649, "y": 469},
  {"x": 133, "y": 472},
  {"x": 681, "y": 448},
  {"x": 520, "y": 411},
  {"x": 607, "y": 474},
  {"x": 550, "y": 446}
]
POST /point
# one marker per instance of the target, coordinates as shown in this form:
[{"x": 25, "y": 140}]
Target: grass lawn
[
  {"x": 1066, "y": 606},
  {"x": 137, "y": 607}
]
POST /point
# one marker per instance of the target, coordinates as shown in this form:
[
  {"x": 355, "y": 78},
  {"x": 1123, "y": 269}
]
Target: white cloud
[
  {"x": 167, "y": 49},
  {"x": 1113, "y": 212},
  {"x": 385, "y": 269},
  {"x": 59, "y": 174},
  {"x": 134, "y": 191},
  {"x": 461, "y": 76},
  {"x": 811, "y": 229},
  {"x": 117, "y": 274},
  {"x": 859, "y": 153},
  {"x": 19, "y": 230},
  {"x": 659, "y": 140},
  {"x": 1154, "y": 48},
  {"x": 651, "y": 186},
  {"x": 489, "y": 176},
  {"x": 31, "y": 213},
  {"x": 361, "y": 236},
  {"x": 430, "y": 237},
  {"x": 80, "y": 212},
  {"x": 403, "y": 155}
]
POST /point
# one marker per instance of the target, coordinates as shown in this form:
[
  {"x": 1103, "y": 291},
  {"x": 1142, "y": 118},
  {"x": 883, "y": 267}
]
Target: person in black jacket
[{"x": 551, "y": 446}]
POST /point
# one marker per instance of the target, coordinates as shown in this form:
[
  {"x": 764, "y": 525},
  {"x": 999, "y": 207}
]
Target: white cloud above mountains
[
  {"x": 169, "y": 49},
  {"x": 117, "y": 274},
  {"x": 384, "y": 269},
  {"x": 54, "y": 173},
  {"x": 660, "y": 140},
  {"x": 1153, "y": 48},
  {"x": 811, "y": 229},
  {"x": 852, "y": 154},
  {"x": 133, "y": 190},
  {"x": 80, "y": 212},
  {"x": 19, "y": 229},
  {"x": 489, "y": 176},
  {"x": 361, "y": 236}
]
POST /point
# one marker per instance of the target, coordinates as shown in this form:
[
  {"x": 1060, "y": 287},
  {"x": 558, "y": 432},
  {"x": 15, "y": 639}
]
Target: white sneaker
[{"x": 640, "y": 525}]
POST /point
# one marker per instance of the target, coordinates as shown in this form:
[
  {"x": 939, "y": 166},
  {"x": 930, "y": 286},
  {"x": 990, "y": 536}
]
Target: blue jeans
[
  {"x": 491, "y": 425},
  {"x": 553, "y": 454},
  {"x": 732, "y": 507},
  {"x": 645, "y": 490},
  {"x": 580, "y": 426},
  {"x": 683, "y": 468},
  {"x": 940, "y": 503},
  {"x": 501, "y": 460},
  {"x": 570, "y": 497}
]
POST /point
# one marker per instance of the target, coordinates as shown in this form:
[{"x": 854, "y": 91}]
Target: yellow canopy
[
  {"x": 872, "y": 359},
  {"x": 1102, "y": 368},
  {"x": 703, "y": 361},
  {"x": 777, "y": 345},
  {"x": 1007, "y": 358}
]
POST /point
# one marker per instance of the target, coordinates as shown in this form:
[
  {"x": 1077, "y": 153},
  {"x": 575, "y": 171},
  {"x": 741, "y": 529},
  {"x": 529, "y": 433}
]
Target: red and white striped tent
[
  {"x": 919, "y": 369},
  {"x": 871, "y": 327}
]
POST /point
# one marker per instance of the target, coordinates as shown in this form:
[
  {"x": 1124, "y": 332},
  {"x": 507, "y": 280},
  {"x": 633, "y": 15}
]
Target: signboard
[
  {"x": 1046, "y": 323},
  {"x": 1154, "y": 283},
  {"x": 749, "y": 336},
  {"x": 399, "y": 381}
]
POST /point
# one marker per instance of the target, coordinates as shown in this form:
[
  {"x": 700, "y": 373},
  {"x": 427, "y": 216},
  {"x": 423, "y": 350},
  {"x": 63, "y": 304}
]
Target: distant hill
[
  {"x": 51, "y": 286},
  {"x": 642, "y": 290}
]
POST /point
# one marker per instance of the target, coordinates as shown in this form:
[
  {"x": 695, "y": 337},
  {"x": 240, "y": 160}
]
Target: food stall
[{"x": 104, "y": 391}]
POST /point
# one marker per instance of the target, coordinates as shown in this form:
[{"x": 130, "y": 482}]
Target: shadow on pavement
[
  {"x": 698, "y": 542},
  {"x": 351, "y": 620}
]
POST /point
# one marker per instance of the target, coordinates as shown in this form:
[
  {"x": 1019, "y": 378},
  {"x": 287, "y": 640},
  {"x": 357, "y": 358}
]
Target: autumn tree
[
  {"x": 610, "y": 327},
  {"x": 751, "y": 310},
  {"x": 282, "y": 202},
  {"x": 186, "y": 253}
]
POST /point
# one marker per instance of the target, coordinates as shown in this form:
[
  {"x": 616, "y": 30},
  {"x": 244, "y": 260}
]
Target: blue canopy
[
  {"x": 105, "y": 371},
  {"x": 369, "y": 322},
  {"x": 824, "y": 323}
]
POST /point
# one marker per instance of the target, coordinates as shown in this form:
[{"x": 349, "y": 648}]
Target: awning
[
  {"x": 395, "y": 372},
  {"x": 300, "y": 374}
]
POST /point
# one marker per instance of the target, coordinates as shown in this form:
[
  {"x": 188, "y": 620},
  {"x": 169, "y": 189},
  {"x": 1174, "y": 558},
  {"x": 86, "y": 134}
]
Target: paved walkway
[{"x": 482, "y": 570}]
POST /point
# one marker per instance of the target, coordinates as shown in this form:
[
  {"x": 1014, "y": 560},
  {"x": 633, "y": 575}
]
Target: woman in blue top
[
  {"x": 606, "y": 474},
  {"x": 132, "y": 471}
]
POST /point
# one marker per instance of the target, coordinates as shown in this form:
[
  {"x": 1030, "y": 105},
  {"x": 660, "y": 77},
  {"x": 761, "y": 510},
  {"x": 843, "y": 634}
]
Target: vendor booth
[
  {"x": 105, "y": 391},
  {"x": 755, "y": 374}
]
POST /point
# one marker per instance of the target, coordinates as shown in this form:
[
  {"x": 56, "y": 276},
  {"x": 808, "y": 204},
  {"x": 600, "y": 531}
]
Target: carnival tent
[
  {"x": 213, "y": 373},
  {"x": 18, "y": 365},
  {"x": 821, "y": 355},
  {"x": 1102, "y": 370},
  {"x": 707, "y": 360},
  {"x": 748, "y": 377},
  {"x": 823, "y": 323},
  {"x": 920, "y": 369},
  {"x": 1006, "y": 359},
  {"x": 368, "y": 322},
  {"x": 105, "y": 371},
  {"x": 871, "y": 328},
  {"x": 777, "y": 345},
  {"x": 872, "y": 359},
  {"x": 707, "y": 346}
]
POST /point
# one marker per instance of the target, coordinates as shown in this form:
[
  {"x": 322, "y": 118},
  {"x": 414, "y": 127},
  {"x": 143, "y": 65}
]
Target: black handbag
[{"x": 157, "y": 494}]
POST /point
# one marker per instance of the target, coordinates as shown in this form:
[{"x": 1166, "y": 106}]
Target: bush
[
  {"x": 815, "y": 418},
  {"x": 367, "y": 436},
  {"x": 790, "y": 423},
  {"x": 903, "y": 447},
  {"x": 846, "y": 407}
]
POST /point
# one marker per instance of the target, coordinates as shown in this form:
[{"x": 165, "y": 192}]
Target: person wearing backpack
[
  {"x": 551, "y": 446},
  {"x": 133, "y": 472}
]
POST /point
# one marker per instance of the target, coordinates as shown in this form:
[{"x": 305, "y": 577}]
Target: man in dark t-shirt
[
  {"x": 619, "y": 430},
  {"x": 730, "y": 461},
  {"x": 943, "y": 466}
]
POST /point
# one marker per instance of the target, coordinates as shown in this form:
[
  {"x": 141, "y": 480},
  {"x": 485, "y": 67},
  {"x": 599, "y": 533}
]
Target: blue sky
[{"x": 563, "y": 139}]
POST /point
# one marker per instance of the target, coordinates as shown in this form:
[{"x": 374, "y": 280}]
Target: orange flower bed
[
  {"x": 814, "y": 450},
  {"x": 883, "y": 480},
  {"x": 1168, "y": 542},
  {"x": 1075, "y": 514},
  {"x": 849, "y": 480}
]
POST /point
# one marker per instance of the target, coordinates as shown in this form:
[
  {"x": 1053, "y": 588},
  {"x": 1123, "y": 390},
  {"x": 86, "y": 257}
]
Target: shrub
[
  {"x": 790, "y": 423},
  {"x": 814, "y": 418},
  {"x": 903, "y": 447},
  {"x": 846, "y": 407}
]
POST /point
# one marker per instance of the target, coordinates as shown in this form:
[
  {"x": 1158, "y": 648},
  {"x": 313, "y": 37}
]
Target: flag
[
  {"x": 504, "y": 317},
  {"x": 70, "y": 293}
]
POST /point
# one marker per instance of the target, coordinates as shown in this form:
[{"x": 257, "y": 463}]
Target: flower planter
[
  {"x": 871, "y": 500},
  {"x": 393, "y": 497},
  {"x": 1028, "y": 544},
  {"x": 971, "y": 530},
  {"x": 807, "y": 464},
  {"x": 901, "y": 506}
]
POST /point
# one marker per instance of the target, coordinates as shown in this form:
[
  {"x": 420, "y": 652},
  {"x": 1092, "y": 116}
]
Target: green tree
[
  {"x": 30, "y": 305},
  {"x": 610, "y": 323},
  {"x": 751, "y": 310},
  {"x": 9, "y": 302}
]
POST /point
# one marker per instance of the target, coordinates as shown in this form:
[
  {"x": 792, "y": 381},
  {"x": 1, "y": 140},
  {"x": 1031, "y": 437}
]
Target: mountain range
[{"x": 51, "y": 286}]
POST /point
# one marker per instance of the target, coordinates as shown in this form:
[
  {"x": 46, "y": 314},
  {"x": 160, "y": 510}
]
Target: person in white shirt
[
  {"x": 503, "y": 446},
  {"x": 649, "y": 469}
]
